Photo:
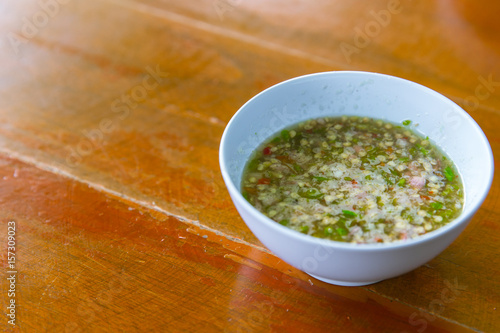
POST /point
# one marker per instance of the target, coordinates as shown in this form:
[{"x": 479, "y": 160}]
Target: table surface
[{"x": 111, "y": 113}]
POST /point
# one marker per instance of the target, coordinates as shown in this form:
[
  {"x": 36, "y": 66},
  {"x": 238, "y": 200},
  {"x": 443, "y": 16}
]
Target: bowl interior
[{"x": 362, "y": 94}]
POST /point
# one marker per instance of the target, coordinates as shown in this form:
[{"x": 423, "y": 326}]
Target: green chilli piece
[
  {"x": 310, "y": 193},
  {"x": 436, "y": 205},
  {"x": 348, "y": 213},
  {"x": 342, "y": 231},
  {"x": 285, "y": 222},
  {"x": 449, "y": 174},
  {"x": 320, "y": 179},
  {"x": 406, "y": 122},
  {"x": 285, "y": 135},
  {"x": 422, "y": 150},
  {"x": 276, "y": 140}
]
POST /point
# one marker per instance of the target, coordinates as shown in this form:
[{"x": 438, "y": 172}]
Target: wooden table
[{"x": 111, "y": 114}]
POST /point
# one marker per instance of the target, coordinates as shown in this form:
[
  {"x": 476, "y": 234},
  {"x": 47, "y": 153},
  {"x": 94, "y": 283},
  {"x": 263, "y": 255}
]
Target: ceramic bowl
[{"x": 362, "y": 94}]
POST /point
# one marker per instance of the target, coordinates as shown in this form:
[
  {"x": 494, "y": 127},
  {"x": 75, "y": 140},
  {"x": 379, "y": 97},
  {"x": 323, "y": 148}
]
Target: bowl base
[{"x": 343, "y": 283}]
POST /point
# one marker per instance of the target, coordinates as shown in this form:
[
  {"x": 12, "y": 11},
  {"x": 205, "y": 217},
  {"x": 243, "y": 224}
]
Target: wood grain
[{"x": 111, "y": 112}]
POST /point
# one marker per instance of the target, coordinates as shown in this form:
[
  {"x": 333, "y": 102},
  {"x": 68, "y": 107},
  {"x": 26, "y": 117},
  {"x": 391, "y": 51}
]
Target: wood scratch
[
  {"x": 48, "y": 287},
  {"x": 242, "y": 261},
  {"x": 95, "y": 262},
  {"x": 76, "y": 278}
]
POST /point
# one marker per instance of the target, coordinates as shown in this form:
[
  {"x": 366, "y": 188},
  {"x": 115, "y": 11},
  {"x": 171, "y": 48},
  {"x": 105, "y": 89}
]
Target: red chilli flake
[
  {"x": 267, "y": 151},
  {"x": 264, "y": 181},
  {"x": 284, "y": 158}
]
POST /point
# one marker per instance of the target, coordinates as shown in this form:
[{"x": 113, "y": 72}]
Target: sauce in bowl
[{"x": 353, "y": 179}]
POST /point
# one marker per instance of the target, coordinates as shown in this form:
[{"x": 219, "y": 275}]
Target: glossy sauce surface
[{"x": 353, "y": 179}]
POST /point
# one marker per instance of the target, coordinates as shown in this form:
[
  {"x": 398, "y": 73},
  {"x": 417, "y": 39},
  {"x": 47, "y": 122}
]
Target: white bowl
[{"x": 362, "y": 94}]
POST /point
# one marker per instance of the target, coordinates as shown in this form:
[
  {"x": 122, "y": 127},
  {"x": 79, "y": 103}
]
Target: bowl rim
[{"x": 460, "y": 220}]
